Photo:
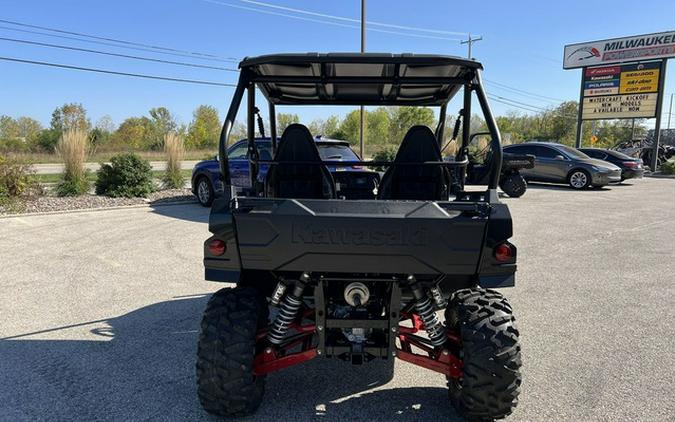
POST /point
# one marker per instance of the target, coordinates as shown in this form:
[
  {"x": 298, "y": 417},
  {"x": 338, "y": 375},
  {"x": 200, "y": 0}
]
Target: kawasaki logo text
[{"x": 321, "y": 235}]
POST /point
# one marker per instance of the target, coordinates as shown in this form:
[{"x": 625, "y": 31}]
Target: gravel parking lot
[{"x": 99, "y": 314}]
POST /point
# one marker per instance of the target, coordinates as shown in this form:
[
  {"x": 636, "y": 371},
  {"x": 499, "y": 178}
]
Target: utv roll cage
[{"x": 361, "y": 79}]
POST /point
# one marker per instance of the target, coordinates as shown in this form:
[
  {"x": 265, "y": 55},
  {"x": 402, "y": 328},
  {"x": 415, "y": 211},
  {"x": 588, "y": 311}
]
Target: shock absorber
[
  {"x": 425, "y": 310},
  {"x": 288, "y": 310}
]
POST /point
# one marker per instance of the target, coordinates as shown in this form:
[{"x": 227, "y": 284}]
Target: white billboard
[
  {"x": 620, "y": 106},
  {"x": 618, "y": 50}
]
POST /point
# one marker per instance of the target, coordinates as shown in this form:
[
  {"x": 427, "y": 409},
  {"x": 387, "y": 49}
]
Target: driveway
[
  {"x": 56, "y": 168},
  {"x": 100, "y": 311}
]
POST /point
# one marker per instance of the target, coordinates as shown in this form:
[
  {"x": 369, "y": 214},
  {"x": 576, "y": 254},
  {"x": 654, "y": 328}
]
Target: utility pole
[
  {"x": 363, "y": 50},
  {"x": 470, "y": 42},
  {"x": 670, "y": 110}
]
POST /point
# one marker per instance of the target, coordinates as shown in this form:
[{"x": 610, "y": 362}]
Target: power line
[
  {"x": 92, "y": 41},
  {"x": 97, "y": 37},
  {"x": 527, "y": 96},
  {"x": 327, "y": 22},
  {"x": 522, "y": 91},
  {"x": 346, "y": 19},
  {"x": 514, "y": 105},
  {"x": 26, "y": 31},
  {"x": 113, "y": 72},
  {"x": 526, "y": 107},
  {"x": 86, "y": 50},
  {"x": 518, "y": 102}
]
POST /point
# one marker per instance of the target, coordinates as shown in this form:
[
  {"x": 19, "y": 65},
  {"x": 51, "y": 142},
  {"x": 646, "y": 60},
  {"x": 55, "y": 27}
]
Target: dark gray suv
[{"x": 559, "y": 163}]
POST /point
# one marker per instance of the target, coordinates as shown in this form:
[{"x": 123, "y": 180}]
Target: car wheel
[
  {"x": 204, "y": 191},
  {"x": 579, "y": 179},
  {"x": 514, "y": 185}
]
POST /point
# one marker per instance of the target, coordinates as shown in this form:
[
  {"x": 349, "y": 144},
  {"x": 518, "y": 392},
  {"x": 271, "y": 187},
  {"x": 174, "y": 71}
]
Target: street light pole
[
  {"x": 363, "y": 49},
  {"x": 670, "y": 110}
]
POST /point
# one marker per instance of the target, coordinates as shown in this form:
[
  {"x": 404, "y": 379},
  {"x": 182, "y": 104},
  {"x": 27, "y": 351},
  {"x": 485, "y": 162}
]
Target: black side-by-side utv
[
  {"x": 479, "y": 168},
  {"x": 358, "y": 280}
]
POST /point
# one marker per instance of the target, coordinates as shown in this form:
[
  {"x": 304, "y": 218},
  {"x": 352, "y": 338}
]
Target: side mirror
[{"x": 559, "y": 158}]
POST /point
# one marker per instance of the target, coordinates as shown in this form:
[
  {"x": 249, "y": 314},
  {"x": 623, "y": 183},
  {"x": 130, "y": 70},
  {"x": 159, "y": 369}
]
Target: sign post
[
  {"x": 580, "y": 122},
  {"x": 657, "y": 125},
  {"x": 622, "y": 78}
]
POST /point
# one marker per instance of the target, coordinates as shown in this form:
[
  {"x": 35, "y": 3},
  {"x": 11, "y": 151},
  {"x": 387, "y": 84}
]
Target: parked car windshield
[
  {"x": 572, "y": 153},
  {"x": 337, "y": 152}
]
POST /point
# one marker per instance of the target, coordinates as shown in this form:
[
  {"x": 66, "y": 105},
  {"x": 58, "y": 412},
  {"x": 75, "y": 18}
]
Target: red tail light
[
  {"x": 504, "y": 252},
  {"x": 630, "y": 164},
  {"x": 217, "y": 247}
]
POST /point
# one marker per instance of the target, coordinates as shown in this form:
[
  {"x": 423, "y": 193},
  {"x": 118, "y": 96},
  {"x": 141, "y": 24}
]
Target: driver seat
[
  {"x": 412, "y": 182},
  {"x": 300, "y": 181}
]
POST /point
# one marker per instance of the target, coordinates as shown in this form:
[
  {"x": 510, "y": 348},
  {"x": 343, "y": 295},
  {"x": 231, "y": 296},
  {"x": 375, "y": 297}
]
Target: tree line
[{"x": 385, "y": 127}]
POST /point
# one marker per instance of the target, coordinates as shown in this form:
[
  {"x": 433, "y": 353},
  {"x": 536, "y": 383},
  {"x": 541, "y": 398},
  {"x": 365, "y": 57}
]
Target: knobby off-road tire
[
  {"x": 514, "y": 185},
  {"x": 225, "y": 381},
  {"x": 491, "y": 379}
]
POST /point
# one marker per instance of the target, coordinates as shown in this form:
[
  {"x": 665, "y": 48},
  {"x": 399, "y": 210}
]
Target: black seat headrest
[
  {"x": 416, "y": 182},
  {"x": 290, "y": 180},
  {"x": 418, "y": 145},
  {"x": 297, "y": 145}
]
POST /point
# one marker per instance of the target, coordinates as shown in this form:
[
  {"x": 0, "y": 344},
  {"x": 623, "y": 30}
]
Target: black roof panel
[{"x": 359, "y": 78}]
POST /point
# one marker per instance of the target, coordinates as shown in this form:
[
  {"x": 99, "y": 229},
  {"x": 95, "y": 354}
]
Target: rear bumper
[{"x": 633, "y": 174}]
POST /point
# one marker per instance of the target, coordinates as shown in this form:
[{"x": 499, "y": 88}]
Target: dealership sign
[
  {"x": 619, "y": 50},
  {"x": 621, "y": 92}
]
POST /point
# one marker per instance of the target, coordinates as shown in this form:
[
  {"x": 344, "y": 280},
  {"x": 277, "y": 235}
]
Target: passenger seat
[
  {"x": 300, "y": 181},
  {"x": 416, "y": 182}
]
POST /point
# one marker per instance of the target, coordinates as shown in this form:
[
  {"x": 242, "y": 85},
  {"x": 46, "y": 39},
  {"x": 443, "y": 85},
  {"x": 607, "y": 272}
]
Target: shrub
[
  {"x": 127, "y": 175},
  {"x": 668, "y": 167},
  {"x": 174, "y": 150},
  {"x": 67, "y": 187},
  {"x": 72, "y": 148},
  {"x": 13, "y": 145},
  {"x": 16, "y": 179},
  {"x": 385, "y": 154}
]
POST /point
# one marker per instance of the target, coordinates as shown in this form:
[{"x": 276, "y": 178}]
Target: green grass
[{"x": 91, "y": 176}]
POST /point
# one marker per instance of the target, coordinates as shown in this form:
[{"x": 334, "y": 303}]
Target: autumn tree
[
  {"x": 70, "y": 116},
  {"x": 102, "y": 132},
  {"x": 135, "y": 133},
  {"x": 204, "y": 130},
  {"x": 403, "y": 118},
  {"x": 284, "y": 120},
  {"x": 163, "y": 122}
]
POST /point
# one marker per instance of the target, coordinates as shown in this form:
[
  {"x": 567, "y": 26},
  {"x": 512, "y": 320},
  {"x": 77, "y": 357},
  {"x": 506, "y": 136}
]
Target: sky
[{"x": 521, "y": 49}]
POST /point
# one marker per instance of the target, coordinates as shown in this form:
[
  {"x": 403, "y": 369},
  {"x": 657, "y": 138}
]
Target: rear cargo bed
[{"x": 394, "y": 237}]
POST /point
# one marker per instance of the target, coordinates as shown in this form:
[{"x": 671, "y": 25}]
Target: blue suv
[{"x": 351, "y": 182}]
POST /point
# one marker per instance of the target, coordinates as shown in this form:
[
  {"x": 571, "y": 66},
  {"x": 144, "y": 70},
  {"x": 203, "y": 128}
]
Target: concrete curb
[
  {"x": 81, "y": 210},
  {"x": 660, "y": 176}
]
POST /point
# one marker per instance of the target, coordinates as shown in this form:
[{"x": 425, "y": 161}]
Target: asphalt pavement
[{"x": 99, "y": 313}]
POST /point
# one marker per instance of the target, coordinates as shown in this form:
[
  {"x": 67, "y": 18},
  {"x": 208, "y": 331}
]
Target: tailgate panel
[{"x": 360, "y": 236}]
